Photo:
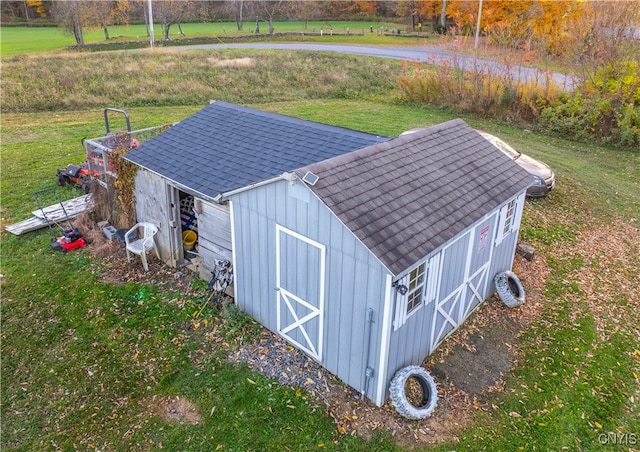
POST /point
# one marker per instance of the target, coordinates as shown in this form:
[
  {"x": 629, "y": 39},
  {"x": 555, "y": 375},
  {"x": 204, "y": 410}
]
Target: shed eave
[
  {"x": 179, "y": 185},
  {"x": 221, "y": 197}
]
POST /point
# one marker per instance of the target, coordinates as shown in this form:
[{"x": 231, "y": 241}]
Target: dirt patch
[
  {"x": 174, "y": 409},
  {"x": 481, "y": 362},
  {"x": 476, "y": 357},
  {"x": 234, "y": 62}
]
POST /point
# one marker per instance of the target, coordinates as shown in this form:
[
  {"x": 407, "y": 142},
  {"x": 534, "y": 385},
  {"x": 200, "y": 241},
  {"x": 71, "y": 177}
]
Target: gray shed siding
[
  {"x": 354, "y": 279},
  {"x": 473, "y": 256},
  {"x": 214, "y": 233},
  {"x": 153, "y": 205}
]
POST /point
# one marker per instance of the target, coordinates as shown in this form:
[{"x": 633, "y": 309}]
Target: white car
[{"x": 545, "y": 179}]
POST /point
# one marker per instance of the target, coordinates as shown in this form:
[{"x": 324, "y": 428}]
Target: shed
[
  {"x": 369, "y": 259},
  {"x": 184, "y": 170},
  {"x": 363, "y": 251}
]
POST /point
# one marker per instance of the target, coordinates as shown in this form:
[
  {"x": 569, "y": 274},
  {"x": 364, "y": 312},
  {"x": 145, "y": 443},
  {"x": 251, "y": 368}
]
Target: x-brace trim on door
[
  {"x": 481, "y": 275},
  {"x": 456, "y": 299},
  {"x": 299, "y": 322}
]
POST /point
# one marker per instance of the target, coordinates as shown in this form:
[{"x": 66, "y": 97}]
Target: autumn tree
[
  {"x": 363, "y": 8},
  {"x": 606, "y": 105},
  {"x": 38, "y": 5},
  {"x": 552, "y": 25},
  {"x": 168, "y": 13},
  {"x": 270, "y": 9},
  {"x": 235, "y": 9},
  {"x": 108, "y": 13},
  {"x": 464, "y": 14},
  {"x": 74, "y": 16},
  {"x": 24, "y": 9},
  {"x": 432, "y": 11},
  {"x": 507, "y": 24},
  {"x": 350, "y": 9},
  {"x": 14, "y": 10},
  {"x": 607, "y": 44},
  {"x": 305, "y": 11}
]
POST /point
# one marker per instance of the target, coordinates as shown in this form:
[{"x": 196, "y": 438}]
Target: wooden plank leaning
[{"x": 54, "y": 214}]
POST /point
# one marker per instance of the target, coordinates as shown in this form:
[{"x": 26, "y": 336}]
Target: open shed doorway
[{"x": 188, "y": 225}]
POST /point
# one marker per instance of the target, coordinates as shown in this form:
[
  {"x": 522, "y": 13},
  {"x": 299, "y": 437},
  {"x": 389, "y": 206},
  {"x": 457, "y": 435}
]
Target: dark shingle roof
[
  {"x": 406, "y": 197},
  {"x": 225, "y": 146}
]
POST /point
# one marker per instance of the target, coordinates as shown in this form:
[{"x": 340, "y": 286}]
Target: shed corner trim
[{"x": 385, "y": 342}]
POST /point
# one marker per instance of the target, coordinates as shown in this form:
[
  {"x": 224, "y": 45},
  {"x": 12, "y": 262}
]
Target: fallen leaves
[{"x": 608, "y": 282}]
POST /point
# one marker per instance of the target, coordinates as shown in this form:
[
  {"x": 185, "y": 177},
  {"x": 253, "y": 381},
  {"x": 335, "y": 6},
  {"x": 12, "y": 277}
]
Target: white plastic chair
[{"x": 143, "y": 244}]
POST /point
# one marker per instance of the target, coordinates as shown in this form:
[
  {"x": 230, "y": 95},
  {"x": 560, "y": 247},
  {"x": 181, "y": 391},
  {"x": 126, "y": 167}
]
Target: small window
[
  {"x": 509, "y": 216},
  {"x": 416, "y": 287}
]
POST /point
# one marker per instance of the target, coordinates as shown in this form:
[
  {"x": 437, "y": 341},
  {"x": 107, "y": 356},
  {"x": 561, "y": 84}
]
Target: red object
[
  {"x": 71, "y": 240},
  {"x": 64, "y": 246}
]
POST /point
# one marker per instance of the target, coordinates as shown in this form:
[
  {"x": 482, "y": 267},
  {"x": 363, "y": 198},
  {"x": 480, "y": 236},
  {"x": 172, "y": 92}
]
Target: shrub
[
  {"x": 479, "y": 92},
  {"x": 606, "y": 110},
  {"x": 629, "y": 124},
  {"x": 594, "y": 118}
]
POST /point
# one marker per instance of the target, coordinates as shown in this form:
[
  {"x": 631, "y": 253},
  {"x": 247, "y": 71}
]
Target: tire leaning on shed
[
  {"x": 399, "y": 396},
  {"x": 509, "y": 289}
]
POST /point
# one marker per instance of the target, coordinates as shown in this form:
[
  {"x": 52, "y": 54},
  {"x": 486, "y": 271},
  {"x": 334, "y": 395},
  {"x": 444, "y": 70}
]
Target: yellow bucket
[{"x": 189, "y": 239}]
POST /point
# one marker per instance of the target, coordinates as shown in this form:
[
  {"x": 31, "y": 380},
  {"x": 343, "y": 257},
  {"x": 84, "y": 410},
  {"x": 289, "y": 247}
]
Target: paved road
[{"x": 428, "y": 54}]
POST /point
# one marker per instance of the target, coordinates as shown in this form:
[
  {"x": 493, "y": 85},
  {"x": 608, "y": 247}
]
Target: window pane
[
  {"x": 416, "y": 286},
  {"x": 414, "y": 300},
  {"x": 509, "y": 215},
  {"x": 420, "y": 278}
]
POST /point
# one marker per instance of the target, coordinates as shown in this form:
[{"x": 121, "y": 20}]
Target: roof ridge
[
  {"x": 294, "y": 119},
  {"x": 384, "y": 146}
]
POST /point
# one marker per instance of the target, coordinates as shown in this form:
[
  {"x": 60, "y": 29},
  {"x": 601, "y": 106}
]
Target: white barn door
[
  {"x": 300, "y": 275},
  {"x": 464, "y": 275}
]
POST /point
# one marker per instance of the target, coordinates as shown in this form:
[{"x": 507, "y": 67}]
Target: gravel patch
[{"x": 273, "y": 357}]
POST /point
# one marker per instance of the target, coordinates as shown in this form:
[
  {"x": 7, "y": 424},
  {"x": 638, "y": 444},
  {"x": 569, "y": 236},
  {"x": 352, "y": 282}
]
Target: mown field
[
  {"x": 86, "y": 362},
  {"x": 36, "y": 40}
]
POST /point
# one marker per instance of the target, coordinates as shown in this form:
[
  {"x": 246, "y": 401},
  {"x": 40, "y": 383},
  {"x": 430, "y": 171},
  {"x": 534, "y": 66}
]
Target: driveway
[{"x": 430, "y": 54}]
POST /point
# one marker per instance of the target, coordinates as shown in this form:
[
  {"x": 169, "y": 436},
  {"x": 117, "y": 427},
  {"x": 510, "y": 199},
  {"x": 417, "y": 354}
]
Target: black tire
[
  {"x": 509, "y": 289},
  {"x": 62, "y": 180},
  {"x": 427, "y": 398}
]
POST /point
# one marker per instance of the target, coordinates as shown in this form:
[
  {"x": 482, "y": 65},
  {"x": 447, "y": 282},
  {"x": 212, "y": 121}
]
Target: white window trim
[
  {"x": 428, "y": 291},
  {"x": 433, "y": 279},
  {"x": 513, "y": 220},
  {"x": 419, "y": 290},
  {"x": 401, "y": 302}
]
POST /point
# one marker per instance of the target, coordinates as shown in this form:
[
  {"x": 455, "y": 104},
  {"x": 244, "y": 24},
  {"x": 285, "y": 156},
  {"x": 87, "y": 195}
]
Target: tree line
[{"x": 551, "y": 26}]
